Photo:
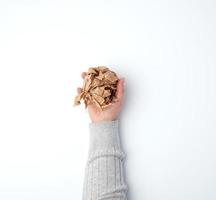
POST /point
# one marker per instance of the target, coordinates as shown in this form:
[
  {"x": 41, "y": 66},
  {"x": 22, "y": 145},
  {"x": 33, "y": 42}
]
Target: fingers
[
  {"x": 83, "y": 74},
  {"x": 79, "y": 90},
  {"x": 120, "y": 89}
]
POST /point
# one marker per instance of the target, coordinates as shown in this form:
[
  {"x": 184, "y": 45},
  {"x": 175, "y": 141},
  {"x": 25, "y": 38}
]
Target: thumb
[{"x": 120, "y": 89}]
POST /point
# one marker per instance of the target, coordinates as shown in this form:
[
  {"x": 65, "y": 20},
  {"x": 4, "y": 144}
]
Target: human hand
[{"x": 111, "y": 112}]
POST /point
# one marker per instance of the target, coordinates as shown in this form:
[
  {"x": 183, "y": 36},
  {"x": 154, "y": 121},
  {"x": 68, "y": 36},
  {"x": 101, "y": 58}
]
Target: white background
[{"x": 165, "y": 49}]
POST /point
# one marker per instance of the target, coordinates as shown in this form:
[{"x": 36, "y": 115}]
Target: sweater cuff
[{"x": 104, "y": 135}]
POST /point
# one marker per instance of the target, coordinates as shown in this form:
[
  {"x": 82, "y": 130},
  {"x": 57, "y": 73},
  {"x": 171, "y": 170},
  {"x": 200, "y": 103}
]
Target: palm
[{"x": 111, "y": 112}]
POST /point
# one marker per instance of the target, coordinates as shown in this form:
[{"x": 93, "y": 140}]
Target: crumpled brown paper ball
[{"x": 99, "y": 88}]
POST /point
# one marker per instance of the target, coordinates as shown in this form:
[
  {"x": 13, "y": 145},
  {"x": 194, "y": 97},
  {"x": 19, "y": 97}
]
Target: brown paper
[{"x": 99, "y": 88}]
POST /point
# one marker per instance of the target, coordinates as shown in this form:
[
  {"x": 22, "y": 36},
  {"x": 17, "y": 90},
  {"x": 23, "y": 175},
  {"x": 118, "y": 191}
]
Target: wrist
[
  {"x": 103, "y": 119},
  {"x": 104, "y": 135}
]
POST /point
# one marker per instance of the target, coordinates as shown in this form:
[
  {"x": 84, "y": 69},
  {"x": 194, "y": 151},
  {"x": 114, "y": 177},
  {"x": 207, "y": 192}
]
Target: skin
[{"x": 111, "y": 112}]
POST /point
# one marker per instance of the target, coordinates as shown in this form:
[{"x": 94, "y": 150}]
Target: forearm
[{"x": 104, "y": 177}]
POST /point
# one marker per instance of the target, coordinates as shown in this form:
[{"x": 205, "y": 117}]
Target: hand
[{"x": 111, "y": 112}]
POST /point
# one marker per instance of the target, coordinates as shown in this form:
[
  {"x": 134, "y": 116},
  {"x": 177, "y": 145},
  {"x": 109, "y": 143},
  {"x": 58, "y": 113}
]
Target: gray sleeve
[{"x": 104, "y": 177}]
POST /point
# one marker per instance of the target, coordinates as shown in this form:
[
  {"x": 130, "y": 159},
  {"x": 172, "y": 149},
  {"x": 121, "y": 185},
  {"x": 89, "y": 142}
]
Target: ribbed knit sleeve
[{"x": 104, "y": 177}]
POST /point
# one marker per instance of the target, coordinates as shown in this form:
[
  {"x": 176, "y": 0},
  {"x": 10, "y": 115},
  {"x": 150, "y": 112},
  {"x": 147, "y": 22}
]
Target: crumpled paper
[{"x": 99, "y": 88}]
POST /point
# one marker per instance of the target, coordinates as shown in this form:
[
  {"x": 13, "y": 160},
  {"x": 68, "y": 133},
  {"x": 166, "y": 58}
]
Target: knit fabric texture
[{"x": 104, "y": 174}]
